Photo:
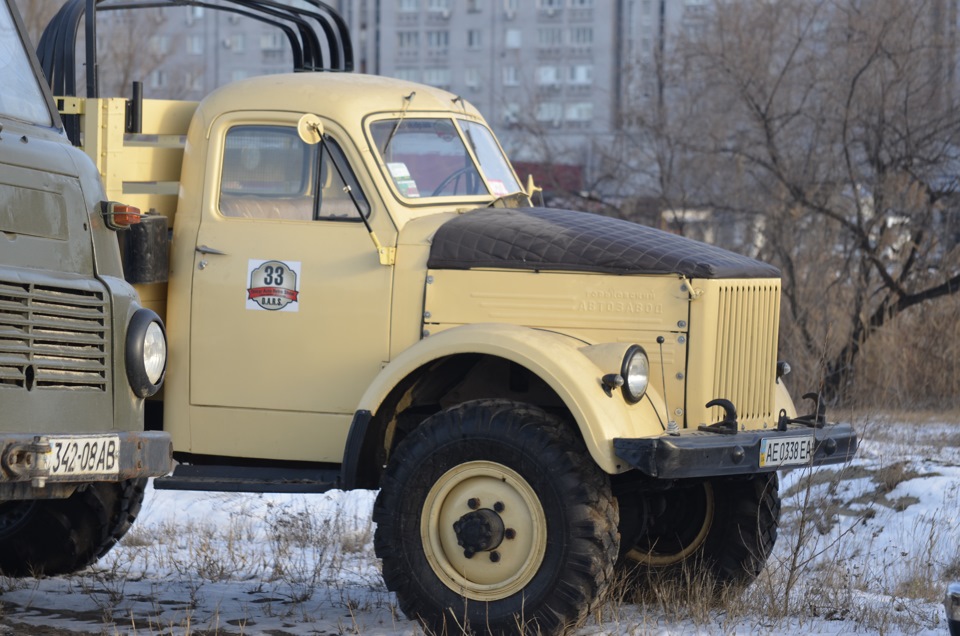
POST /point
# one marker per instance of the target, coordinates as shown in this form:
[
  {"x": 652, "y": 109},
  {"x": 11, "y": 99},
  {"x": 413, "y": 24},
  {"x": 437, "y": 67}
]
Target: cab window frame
[{"x": 294, "y": 192}]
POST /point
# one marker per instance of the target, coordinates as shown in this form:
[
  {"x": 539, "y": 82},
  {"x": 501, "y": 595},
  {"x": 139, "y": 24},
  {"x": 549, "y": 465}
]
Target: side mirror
[{"x": 310, "y": 129}]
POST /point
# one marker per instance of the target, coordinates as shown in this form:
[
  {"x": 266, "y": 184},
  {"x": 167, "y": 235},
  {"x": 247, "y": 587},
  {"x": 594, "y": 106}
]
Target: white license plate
[
  {"x": 86, "y": 455},
  {"x": 786, "y": 451}
]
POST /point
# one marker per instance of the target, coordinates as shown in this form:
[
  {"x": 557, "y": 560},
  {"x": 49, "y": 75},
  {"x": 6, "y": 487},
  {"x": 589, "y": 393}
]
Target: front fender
[{"x": 570, "y": 367}]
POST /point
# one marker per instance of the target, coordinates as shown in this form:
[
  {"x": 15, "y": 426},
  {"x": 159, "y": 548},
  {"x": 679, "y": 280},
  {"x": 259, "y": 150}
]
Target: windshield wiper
[{"x": 393, "y": 131}]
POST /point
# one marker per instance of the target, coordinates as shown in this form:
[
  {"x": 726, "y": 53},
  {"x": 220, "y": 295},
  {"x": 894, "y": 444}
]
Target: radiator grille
[
  {"x": 52, "y": 337},
  {"x": 746, "y": 357}
]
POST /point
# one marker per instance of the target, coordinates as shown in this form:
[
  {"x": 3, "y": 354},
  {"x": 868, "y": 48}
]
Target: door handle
[{"x": 203, "y": 249}]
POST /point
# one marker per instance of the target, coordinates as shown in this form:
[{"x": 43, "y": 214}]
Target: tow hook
[{"x": 28, "y": 461}]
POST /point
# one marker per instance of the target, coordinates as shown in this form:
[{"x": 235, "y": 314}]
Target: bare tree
[
  {"x": 835, "y": 123},
  {"x": 36, "y": 14},
  {"x": 133, "y": 45},
  {"x": 136, "y": 45}
]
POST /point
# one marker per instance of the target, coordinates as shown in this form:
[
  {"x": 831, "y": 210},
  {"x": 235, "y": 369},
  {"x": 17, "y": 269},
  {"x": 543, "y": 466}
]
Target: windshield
[
  {"x": 428, "y": 158},
  {"x": 21, "y": 97}
]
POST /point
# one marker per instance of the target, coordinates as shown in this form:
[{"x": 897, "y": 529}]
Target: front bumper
[
  {"x": 42, "y": 460},
  {"x": 707, "y": 454},
  {"x": 952, "y": 606}
]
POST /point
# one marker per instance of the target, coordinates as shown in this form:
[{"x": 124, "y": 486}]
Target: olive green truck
[
  {"x": 78, "y": 353},
  {"x": 361, "y": 294}
]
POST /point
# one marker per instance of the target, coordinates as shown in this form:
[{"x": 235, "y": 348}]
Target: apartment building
[{"x": 551, "y": 76}]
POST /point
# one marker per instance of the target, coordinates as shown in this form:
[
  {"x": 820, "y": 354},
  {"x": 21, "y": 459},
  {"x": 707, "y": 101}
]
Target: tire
[
  {"x": 725, "y": 529},
  {"x": 59, "y": 536},
  {"x": 532, "y": 513}
]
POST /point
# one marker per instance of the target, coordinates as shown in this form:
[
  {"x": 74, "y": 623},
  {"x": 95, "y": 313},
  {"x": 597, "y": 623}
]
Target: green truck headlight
[
  {"x": 146, "y": 355},
  {"x": 636, "y": 373}
]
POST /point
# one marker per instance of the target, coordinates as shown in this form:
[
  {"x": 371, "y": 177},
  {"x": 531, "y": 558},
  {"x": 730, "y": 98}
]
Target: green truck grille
[{"x": 53, "y": 337}]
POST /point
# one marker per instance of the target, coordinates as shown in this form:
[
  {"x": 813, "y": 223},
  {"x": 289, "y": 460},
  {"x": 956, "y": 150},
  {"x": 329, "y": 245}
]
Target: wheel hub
[
  {"x": 483, "y": 508},
  {"x": 479, "y": 531}
]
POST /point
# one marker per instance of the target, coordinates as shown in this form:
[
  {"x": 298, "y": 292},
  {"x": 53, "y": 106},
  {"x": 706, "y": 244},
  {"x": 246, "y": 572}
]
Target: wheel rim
[
  {"x": 465, "y": 507},
  {"x": 689, "y": 524}
]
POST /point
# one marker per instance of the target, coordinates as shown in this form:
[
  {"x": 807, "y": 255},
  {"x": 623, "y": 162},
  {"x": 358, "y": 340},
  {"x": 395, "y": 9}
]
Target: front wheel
[
  {"x": 59, "y": 536},
  {"x": 724, "y": 528},
  {"x": 492, "y": 515}
]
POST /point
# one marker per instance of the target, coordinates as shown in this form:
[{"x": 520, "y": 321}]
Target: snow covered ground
[{"x": 866, "y": 548}]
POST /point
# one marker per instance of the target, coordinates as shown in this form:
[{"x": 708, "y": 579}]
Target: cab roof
[{"x": 345, "y": 97}]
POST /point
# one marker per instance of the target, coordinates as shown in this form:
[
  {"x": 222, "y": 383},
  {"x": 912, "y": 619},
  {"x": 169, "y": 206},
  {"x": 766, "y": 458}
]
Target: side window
[
  {"x": 337, "y": 184},
  {"x": 266, "y": 174}
]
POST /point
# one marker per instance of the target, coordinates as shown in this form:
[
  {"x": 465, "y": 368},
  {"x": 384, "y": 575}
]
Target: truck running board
[{"x": 249, "y": 479}]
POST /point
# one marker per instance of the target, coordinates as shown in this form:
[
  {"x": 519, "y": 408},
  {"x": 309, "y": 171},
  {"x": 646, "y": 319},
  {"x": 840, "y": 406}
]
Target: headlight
[
  {"x": 146, "y": 355},
  {"x": 636, "y": 373}
]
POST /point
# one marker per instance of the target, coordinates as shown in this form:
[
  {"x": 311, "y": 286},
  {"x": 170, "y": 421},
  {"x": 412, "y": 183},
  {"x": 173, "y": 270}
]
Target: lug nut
[
  {"x": 495, "y": 557},
  {"x": 473, "y": 503},
  {"x": 510, "y": 533},
  {"x": 469, "y": 552},
  {"x": 499, "y": 507}
]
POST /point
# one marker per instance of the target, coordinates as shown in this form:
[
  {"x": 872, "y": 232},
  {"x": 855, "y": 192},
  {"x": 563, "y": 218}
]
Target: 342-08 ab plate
[
  {"x": 84, "y": 455},
  {"x": 786, "y": 451}
]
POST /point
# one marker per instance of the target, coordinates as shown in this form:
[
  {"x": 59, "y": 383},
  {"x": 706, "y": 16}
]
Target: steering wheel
[{"x": 465, "y": 171}]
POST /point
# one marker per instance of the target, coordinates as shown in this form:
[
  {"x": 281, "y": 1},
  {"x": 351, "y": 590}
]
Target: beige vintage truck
[
  {"x": 78, "y": 353},
  {"x": 360, "y": 294}
]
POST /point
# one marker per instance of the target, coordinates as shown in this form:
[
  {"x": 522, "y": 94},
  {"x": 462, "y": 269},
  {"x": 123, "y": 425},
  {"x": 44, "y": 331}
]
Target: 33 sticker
[{"x": 274, "y": 285}]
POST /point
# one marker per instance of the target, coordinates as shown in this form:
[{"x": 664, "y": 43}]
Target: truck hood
[{"x": 551, "y": 239}]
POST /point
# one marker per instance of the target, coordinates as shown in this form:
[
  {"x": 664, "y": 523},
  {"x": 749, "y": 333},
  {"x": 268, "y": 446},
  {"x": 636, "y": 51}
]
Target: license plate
[
  {"x": 86, "y": 455},
  {"x": 786, "y": 451}
]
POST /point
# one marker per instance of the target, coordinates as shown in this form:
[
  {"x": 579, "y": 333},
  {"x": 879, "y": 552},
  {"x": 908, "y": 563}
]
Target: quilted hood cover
[{"x": 549, "y": 239}]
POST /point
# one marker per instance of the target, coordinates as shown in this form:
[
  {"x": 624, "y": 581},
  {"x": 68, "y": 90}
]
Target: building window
[
  {"x": 511, "y": 113},
  {"x": 408, "y": 6},
  {"x": 474, "y": 38},
  {"x": 159, "y": 44},
  {"x": 581, "y": 74},
  {"x": 438, "y": 5},
  {"x": 409, "y": 74},
  {"x": 473, "y": 6},
  {"x": 158, "y": 79},
  {"x": 271, "y": 42},
  {"x": 407, "y": 40},
  {"x": 548, "y": 75},
  {"x": 236, "y": 42},
  {"x": 439, "y": 77},
  {"x": 194, "y": 14},
  {"x": 550, "y": 37},
  {"x": 471, "y": 78},
  {"x": 513, "y": 38},
  {"x": 582, "y": 111},
  {"x": 549, "y": 4},
  {"x": 581, "y": 4},
  {"x": 237, "y": 75},
  {"x": 195, "y": 45},
  {"x": 581, "y": 36},
  {"x": 511, "y": 76},
  {"x": 195, "y": 81},
  {"x": 549, "y": 112},
  {"x": 437, "y": 40}
]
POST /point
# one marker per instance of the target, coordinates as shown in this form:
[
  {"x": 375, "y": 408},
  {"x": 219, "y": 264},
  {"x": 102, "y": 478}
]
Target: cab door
[{"x": 290, "y": 306}]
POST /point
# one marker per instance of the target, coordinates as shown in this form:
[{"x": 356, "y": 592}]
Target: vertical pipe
[{"x": 93, "y": 89}]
